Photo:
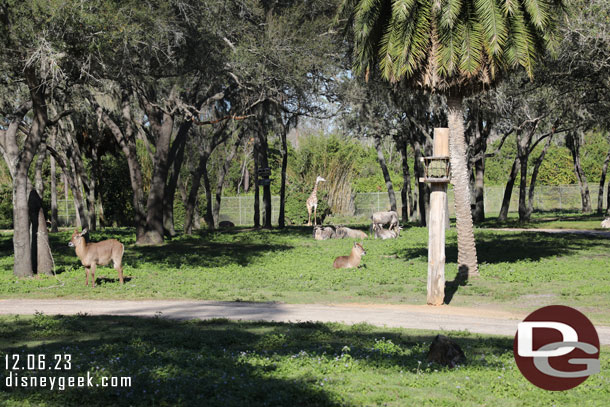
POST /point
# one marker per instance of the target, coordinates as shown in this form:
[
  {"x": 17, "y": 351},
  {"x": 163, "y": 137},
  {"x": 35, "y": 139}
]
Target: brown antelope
[
  {"x": 353, "y": 260},
  {"x": 100, "y": 253}
]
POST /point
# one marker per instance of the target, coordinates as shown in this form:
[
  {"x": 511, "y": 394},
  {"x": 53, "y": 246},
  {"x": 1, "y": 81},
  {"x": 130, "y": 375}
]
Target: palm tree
[{"x": 453, "y": 47}]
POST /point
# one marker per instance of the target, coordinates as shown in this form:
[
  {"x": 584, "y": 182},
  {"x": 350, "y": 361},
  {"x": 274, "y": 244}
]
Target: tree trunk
[
  {"x": 22, "y": 266},
  {"x": 537, "y": 163},
  {"x": 405, "y": 192},
  {"x": 175, "y": 159},
  {"x": 221, "y": 179},
  {"x": 91, "y": 192},
  {"x": 42, "y": 262},
  {"x": 125, "y": 139},
  {"x": 479, "y": 191},
  {"x": 421, "y": 186},
  {"x": 162, "y": 125},
  {"x": 523, "y": 213},
  {"x": 38, "y": 182},
  {"x": 602, "y": 183},
  {"x": 54, "y": 211},
  {"x": 54, "y": 220},
  {"x": 264, "y": 162},
  {"x": 386, "y": 173},
  {"x": 282, "y": 215},
  {"x": 467, "y": 252},
  {"x": 573, "y": 143},
  {"x": 257, "y": 214},
  {"x": 191, "y": 202},
  {"x": 508, "y": 191},
  {"x": 209, "y": 209}
]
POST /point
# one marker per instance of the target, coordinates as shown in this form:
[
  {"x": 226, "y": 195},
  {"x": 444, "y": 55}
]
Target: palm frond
[{"x": 490, "y": 16}]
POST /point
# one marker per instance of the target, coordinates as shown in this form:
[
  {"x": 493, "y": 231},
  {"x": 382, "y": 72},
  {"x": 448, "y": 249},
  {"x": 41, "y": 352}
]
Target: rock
[
  {"x": 606, "y": 223},
  {"x": 445, "y": 351}
]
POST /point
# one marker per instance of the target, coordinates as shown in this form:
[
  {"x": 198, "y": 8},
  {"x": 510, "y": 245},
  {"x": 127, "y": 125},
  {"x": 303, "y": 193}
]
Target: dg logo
[{"x": 556, "y": 348}]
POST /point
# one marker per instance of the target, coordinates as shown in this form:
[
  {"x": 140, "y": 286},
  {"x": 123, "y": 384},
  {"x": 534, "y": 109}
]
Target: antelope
[
  {"x": 384, "y": 218},
  {"x": 342, "y": 232},
  {"x": 100, "y": 253},
  {"x": 384, "y": 234},
  {"x": 323, "y": 233},
  {"x": 606, "y": 223},
  {"x": 353, "y": 260}
]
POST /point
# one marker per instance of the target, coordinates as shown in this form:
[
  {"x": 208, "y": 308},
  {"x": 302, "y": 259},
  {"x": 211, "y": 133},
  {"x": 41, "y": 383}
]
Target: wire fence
[{"x": 240, "y": 209}]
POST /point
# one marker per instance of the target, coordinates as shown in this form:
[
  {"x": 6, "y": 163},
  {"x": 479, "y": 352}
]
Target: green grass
[
  {"x": 519, "y": 271},
  {"x": 221, "y": 363}
]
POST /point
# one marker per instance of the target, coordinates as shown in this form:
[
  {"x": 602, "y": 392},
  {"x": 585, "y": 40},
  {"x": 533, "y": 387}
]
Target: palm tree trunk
[{"x": 467, "y": 251}]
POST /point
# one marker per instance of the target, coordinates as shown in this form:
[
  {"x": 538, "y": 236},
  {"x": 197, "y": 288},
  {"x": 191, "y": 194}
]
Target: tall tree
[{"x": 457, "y": 49}]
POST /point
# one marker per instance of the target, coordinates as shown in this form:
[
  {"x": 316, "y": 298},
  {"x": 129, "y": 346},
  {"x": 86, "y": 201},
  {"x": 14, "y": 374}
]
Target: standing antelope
[
  {"x": 312, "y": 202},
  {"x": 353, "y": 260},
  {"x": 383, "y": 218},
  {"x": 92, "y": 254}
]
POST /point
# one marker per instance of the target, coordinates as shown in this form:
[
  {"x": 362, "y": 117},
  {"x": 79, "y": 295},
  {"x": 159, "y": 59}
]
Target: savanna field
[{"x": 519, "y": 271}]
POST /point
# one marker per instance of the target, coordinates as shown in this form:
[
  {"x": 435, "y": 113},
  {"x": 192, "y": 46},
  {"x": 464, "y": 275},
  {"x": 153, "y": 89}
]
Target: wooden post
[{"x": 436, "y": 226}]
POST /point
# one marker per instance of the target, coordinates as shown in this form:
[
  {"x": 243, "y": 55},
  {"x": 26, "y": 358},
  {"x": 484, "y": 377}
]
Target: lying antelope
[
  {"x": 384, "y": 234},
  {"x": 342, "y": 232},
  {"x": 353, "y": 260},
  {"x": 323, "y": 233},
  {"x": 100, "y": 253}
]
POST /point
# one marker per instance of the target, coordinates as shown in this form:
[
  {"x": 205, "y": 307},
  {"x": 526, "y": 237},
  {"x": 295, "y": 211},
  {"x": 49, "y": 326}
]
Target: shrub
[
  {"x": 296, "y": 209},
  {"x": 6, "y": 207}
]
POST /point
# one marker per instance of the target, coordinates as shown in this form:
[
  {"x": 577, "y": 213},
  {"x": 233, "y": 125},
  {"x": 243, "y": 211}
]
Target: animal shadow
[{"x": 107, "y": 280}]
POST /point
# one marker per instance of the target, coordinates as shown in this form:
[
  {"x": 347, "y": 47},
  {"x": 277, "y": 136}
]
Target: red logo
[{"x": 556, "y": 348}]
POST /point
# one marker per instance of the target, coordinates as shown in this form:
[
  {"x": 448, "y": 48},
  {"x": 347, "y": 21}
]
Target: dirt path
[{"x": 405, "y": 316}]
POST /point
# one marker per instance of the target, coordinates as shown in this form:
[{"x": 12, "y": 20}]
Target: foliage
[
  {"x": 224, "y": 363},
  {"x": 115, "y": 191},
  {"x": 453, "y": 45},
  {"x": 296, "y": 210},
  {"x": 557, "y": 167},
  {"x": 376, "y": 183},
  {"x": 6, "y": 207}
]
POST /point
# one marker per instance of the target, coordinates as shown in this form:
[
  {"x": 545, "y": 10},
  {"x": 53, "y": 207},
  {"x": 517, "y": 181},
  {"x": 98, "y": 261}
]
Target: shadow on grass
[
  {"x": 219, "y": 363},
  {"x": 205, "y": 249},
  {"x": 502, "y": 247},
  {"x": 541, "y": 217}
]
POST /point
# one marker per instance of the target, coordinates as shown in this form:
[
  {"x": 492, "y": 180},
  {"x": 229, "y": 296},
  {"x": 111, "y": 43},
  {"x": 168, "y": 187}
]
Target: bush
[
  {"x": 116, "y": 191},
  {"x": 296, "y": 208},
  {"x": 6, "y": 207}
]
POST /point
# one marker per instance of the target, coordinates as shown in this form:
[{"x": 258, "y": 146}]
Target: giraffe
[{"x": 312, "y": 202}]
